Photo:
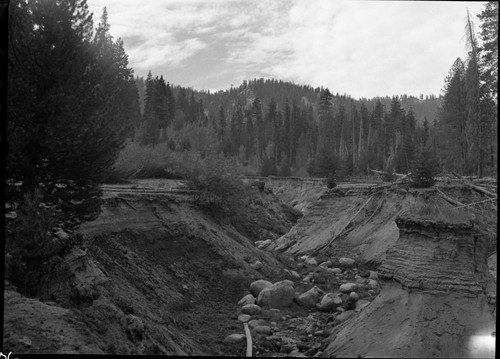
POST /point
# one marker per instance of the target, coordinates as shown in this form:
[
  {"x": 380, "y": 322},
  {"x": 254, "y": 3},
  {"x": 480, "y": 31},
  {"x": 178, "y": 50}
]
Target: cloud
[{"x": 363, "y": 48}]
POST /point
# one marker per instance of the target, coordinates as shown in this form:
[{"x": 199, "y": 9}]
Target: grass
[{"x": 434, "y": 209}]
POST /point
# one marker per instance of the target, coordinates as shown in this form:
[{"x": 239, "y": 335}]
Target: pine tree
[
  {"x": 221, "y": 130},
  {"x": 489, "y": 50},
  {"x": 453, "y": 118},
  {"x": 237, "y": 129},
  {"x": 150, "y": 120},
  {"x": 285, "y": 134},
  {"x": 424, "y": 170}
]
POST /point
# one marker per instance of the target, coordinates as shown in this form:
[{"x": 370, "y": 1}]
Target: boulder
[
  {"x": 346, "y": 262},
  {"x": 275, "y": 313},
  {"x": 235, "y": 338},
  {"x": 303, "y": 258},
  {"x": 364, "y": 273},
  {"x": 360, "y": 280},
  {"x": 250, "y": 309},
  {"x": 247, "y": 299},
  {"x": 264, "y": 244},
  {"x": 310, "y": 298},
  {"x": 373, "y": 275},
  {"x": 348, "y": 287},
  {"x": 257, "y": 286},
  {"x": 257, "y": 243},
  {"x": 257, "y": 265},
  {"x": 326, "y": 264},
  {"x": 256, "y": 322},
  {"x": 334, "y": 270},
  {"x": 294, "y": 274},
  {"x": 342, "y": 317},
  {"x": 279, "y": 294},
  {"x": 297, "y": 354},
  {"x": 309, "y": 277},
  {"x": 329, "y": 302},
  {"x": 61, "y": 234},
  {"x": 373, "y": 283},
  {"x": 311, "y": 261},
  {"x": 244, "y": 318},
  {"x": 263, "y": 329},
  {"x": 354, "y": 296}
]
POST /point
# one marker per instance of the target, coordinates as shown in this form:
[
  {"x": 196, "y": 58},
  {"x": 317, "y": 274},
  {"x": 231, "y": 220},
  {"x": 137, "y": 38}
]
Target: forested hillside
[{"x": 274, "y": 126}]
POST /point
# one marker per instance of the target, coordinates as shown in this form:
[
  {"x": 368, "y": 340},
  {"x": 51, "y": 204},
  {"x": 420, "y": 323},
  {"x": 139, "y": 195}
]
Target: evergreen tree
[
  {"x": 67, "y": 103},
  {"x": 237, "y": 128},
  {"x": 250, "y": 136},
  {"x": 150, "y": 131},
  {"x": 325, "y": 120},
  {"x": 259, "y": 123},
  {"x": 424, "y": 170},
  {"x": 272, "y": 118},
  {"x": 221, "y": 130},
  {"x": 453, "y": 118},
  {"x": 489, "y": 50},
  {"x": 285, "y": 133},
  {"x": 295, "y": 126}
]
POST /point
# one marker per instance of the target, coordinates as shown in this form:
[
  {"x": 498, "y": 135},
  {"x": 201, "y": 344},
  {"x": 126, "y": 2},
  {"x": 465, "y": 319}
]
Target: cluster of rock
[
  {"x": 263, "y": 244},
  {"x": 264, "y": 307}
]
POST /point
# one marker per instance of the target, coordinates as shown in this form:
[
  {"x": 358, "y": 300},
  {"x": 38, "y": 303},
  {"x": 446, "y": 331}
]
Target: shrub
[
  {"x": 424, "y": 169},
  {"x": 330, "y": 181},
  {"x": 216, "y": 177}
]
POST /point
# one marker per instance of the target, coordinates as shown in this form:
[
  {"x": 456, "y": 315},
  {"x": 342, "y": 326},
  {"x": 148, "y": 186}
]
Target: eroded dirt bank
[
  {"x": 152, "y": 275},
  {"x": 155, "y": 275},
  {"x": 437, "y": 293}
]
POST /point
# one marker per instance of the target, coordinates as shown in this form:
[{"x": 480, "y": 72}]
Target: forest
[{"x": 76, "y": 113}]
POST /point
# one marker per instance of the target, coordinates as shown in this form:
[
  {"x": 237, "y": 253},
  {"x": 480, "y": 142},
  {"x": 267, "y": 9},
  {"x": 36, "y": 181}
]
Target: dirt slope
[
  {"x": 400, "y": 323},
  {"x": 155, "y": 275},
  {"x": 437, "y": 294},
  {"x": 152, "y": 275}
]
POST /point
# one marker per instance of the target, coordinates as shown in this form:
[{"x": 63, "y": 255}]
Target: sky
[{"x": 359, "y": 48}]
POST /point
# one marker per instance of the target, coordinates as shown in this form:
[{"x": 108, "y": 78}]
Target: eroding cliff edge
[
  {"x": 439, "y": 256},
  {"x": 434, "y": 300}
]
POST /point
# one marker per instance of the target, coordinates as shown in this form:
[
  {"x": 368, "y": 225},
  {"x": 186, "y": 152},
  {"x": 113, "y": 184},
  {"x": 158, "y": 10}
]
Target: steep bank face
[
  {"x": 437, "y": 301},
  {"x": 152, "y": 275},
  {"x": 438, "y": 256},
  {"x": 356, "y": 222},
  {"x": 399, "y": 323}
]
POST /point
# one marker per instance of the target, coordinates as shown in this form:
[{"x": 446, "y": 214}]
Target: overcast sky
[{"x": 361, "y": 48}]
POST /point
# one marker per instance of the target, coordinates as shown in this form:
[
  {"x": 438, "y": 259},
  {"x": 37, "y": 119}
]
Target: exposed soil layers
[
  {"x": 153, "y": 275},
  {"x": 437, "y": 293}
]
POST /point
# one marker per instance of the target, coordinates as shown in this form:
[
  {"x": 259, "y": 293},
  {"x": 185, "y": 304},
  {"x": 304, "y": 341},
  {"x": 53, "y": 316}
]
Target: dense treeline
[
  {"x": 277, "y": 127},
  {"x": 465, "y": 136}
]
